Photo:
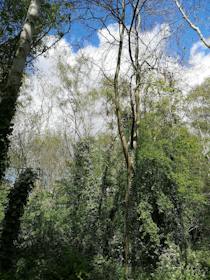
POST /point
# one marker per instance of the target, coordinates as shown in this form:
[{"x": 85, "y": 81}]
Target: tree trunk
[
  {"x": 127, "y": 217},
  {"x": 10, "y": 90},
  {"x": 11, "y": 224}
]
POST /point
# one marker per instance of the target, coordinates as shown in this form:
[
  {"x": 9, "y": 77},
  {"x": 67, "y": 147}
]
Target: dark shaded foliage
[{"x": 17, "y": 200}]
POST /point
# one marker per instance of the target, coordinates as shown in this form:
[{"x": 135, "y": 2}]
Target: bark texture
[{"x": 9, "y": 89}]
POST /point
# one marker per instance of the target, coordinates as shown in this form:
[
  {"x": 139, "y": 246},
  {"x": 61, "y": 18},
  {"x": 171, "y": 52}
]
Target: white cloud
[
  {"x": 152, "y": 44},
  {"x": 45, "y": 86},
  {"x": 199, "y": 65}
]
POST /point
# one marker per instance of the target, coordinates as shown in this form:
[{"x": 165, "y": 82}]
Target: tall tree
[
  {"x": 127, "y": 92},
  {"x": 20, "y": 44},
  {"x": 9, "y": 91},
  {"x": 128, "y": 119}
]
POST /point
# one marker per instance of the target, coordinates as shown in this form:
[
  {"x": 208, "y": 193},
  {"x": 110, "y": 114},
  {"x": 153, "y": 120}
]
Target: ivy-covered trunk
[{"x": 11, "y": 224}]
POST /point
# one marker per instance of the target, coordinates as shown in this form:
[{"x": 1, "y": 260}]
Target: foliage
[
  {"x": 72, "y": 228},
  {"x": 17, "y": 199},
  {"x": 60, "y": 263},
  {"x": 73, "y": 224},
  {"x": 170, "y": 267}
]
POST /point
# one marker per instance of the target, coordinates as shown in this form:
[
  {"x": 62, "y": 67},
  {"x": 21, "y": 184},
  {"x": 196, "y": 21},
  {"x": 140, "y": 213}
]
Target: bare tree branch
[{"x": 191, "y": 24}]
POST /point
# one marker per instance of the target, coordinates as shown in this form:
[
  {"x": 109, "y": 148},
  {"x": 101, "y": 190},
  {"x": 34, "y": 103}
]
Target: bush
[
  {"x": 66, "y": 265},
  {"x": 106, "y": 269},
  {"x": 171, "y": 267}
]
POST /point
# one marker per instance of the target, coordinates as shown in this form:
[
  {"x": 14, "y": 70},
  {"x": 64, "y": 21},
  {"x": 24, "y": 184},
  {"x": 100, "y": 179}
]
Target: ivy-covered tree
[
  {"x": 17, "y": 200},
  {"x": 24, "y": 25}
]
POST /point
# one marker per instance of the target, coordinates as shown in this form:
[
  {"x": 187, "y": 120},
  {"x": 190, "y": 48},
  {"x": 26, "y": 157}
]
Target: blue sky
[
  {"x": 193, "y": 73},
  {"x": 180, "y": 43}
]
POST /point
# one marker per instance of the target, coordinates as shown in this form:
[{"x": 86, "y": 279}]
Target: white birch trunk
[
  {"x": 10, "y": 90},
  {"x": 25, "y": 43}
]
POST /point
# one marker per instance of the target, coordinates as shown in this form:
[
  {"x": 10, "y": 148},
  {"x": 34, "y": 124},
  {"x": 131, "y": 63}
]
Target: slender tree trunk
[
  {"x": 9, "y": 91},
  {"x": 129, "y": 144},
  {"x": 127, "y": 242}
]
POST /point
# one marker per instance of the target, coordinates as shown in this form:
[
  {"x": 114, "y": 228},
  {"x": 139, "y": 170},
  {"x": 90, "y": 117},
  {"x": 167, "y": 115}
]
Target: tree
[
  {"x": 17, "y": 197},
  {"x": 170, "y": 181},
  {"x": 19, "y": 46},
  {"x": 10, "y": 90},
  {"x": 128, "y": 90}
]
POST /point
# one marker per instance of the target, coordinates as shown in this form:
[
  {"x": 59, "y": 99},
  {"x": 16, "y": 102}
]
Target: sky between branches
[{"x": 102, "y": 56}]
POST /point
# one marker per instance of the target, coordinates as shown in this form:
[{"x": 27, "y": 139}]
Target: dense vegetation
[{"x": 89, "y": 205}]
